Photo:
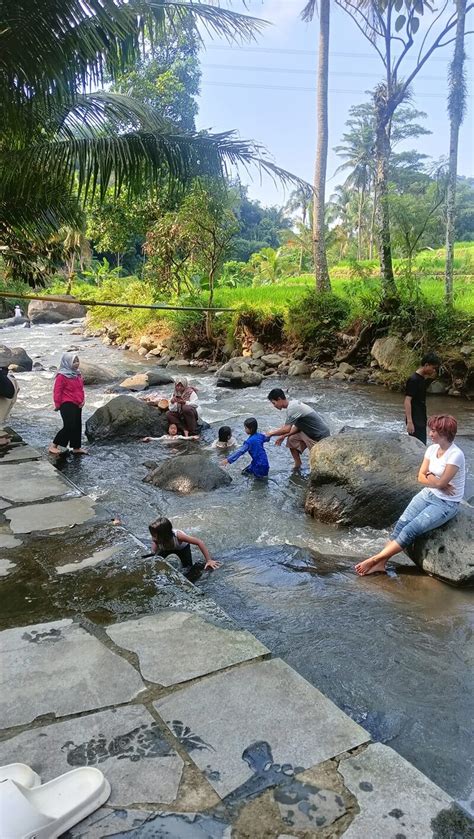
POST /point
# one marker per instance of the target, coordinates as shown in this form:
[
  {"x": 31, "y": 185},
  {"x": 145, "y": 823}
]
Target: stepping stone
[
  {"x": 90, "y": 561},
  {"x": 51, "y": 516},
  {"x": 58, "y": 668},
  {"x": 6, "y": 567},
  {"x": 8, "y": 541},
  {"x": 126, "y": 744},
  {"x": 19, "y": 452},
  {"x": 175, "y": 647},
  {"x": 260, "y": 719},
  {"x": 26, "y": 482},
  {"x": 395, "y": 799}
]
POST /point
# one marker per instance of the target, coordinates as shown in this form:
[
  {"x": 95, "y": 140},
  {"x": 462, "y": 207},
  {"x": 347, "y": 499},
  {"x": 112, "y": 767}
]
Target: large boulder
[
  {"x": 392, "y": 354},
  {"x": 16, "y": 358},
  {"x": 238, "y": 373},
  {"x": 185, "y": 473},
  {"x": 94, "y": 374},
  {"x": 363, "y": 478},
  {"x": 4, "y": 324},
  {"x": 142, "y": 381},
  {"x": 448, "y": 552},
  {"x": 48, "y": 311},
  {"x": 126, "y": 417}
]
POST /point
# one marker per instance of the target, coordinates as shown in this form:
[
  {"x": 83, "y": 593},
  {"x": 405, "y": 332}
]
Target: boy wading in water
[
  {"x": 166, "y": 541},
  {"x": 415, "y": 396},
  {"x": 302, "y": 429},
  {"x": 258, "y": 466}
]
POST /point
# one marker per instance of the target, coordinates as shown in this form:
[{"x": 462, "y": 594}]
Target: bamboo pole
[{"x": 158, "y": 306}]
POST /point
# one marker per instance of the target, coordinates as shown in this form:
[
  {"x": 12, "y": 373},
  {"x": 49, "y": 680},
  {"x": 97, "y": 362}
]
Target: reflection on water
[{"x": 392, "y": 651}]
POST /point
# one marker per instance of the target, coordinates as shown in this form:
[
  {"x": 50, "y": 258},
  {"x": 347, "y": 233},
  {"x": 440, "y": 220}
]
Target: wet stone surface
[
  {"x": 395, "y": 799},
  {"x": 33, "y": 481},
  {"x": 51, "y": 516},
  {"x": 175, "y": 647},
  {"x": 246, "y": 741},
  {"x": 58, "y": 668},
  {"x": 126, "y": 744},
  {"x": 17, "y": 452},
  {"x": 135, "y": 824}
]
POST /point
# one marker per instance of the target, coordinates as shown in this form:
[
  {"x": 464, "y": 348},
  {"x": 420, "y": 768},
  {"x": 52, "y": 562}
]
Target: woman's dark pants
[
  {"x": 186, "y": 418},
  {"x": 191, "y": 571},
  {"x": 71, "y": 431}
]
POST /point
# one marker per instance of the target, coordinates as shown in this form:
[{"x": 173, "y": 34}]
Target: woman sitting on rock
[
  {"x": 183, "y": 410},
  {"x": 443, "y": 475}
]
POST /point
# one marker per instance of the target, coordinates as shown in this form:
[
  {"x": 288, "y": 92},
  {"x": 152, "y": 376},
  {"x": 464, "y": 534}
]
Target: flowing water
[{"x": 395, "y": 652}]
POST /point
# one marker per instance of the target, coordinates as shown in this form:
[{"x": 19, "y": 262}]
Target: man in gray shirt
[{"x": 303, "y": 426}]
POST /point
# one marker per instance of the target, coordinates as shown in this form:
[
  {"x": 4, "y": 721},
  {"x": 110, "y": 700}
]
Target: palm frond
[{"x": 309, "y": 11}]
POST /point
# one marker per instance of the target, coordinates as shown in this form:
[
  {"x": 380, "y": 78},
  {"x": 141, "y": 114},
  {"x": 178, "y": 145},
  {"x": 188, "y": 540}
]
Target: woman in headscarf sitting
[
  {"x": 68, "y": 398},
  {"x": 183, "y": 410}
]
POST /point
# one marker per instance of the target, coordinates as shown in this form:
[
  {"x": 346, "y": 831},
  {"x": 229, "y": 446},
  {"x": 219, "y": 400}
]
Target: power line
[
  {"x": 282, "y": 51},
  {"x": 293, "y": 71},
  {"x": 300, "y": 89}
]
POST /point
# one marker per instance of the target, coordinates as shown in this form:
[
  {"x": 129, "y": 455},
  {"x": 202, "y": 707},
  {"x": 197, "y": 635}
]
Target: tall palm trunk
[
  {"x": 456, "y": 107},
  {"x": 319, "y": 222},
  {"x": 383, "y": 110},
  {"x": 359, "y": 222}
]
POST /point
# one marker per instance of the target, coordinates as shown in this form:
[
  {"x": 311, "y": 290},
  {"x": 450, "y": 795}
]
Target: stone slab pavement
[
  {"x": 126, "y": 744},
  {"x": 31, "y": 481},
  {"x": 175, "y": 646},
  {"x": 394, "y": 798},
  {"x": 59, "y": 668},
  {"x": 261, "y": 713},
  {"x": 52, "y": 515},
  {"x": 17, "y": 452}
]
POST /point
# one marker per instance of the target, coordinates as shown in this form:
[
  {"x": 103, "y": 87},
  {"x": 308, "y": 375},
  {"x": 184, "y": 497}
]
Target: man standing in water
[
  {"x": 303, "y": 426},
  {"x": 415, "y": 396}
]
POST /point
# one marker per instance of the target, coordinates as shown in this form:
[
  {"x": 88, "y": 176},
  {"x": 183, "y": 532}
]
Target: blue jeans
[{"x": 424, "y": 512}]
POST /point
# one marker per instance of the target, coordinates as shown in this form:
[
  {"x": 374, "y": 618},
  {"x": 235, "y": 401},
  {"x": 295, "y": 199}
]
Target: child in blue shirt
[{"x": 259, "y": 465}]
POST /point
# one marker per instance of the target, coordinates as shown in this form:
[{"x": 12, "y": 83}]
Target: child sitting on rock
[
  {"x": 224, "y": 438},
  {"x": 173, "y": 434},
  {"x": 258, "y": 466},
  {"x": 166, "y": 541}
]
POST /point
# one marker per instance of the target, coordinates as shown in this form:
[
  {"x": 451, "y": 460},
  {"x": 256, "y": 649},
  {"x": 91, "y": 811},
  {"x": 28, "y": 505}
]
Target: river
[{"x": 395, "y": 652}]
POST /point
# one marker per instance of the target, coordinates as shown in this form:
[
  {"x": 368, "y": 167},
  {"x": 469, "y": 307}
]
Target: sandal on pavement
[
  {"x": 21, "y": 774},
  {"x": 48, "y": 811}
]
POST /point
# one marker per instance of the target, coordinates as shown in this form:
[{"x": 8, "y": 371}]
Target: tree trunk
[
  {"x": 456, "y": 103},
  {"x": 319, "y": 222},
  {"x": 382, "y": 213},
  {"x": 372, "y": 227},
  {"x": 359, "y": 224}
]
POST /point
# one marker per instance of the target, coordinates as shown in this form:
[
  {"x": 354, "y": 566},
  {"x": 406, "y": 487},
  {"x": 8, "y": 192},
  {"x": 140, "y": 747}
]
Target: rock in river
[
  {"x": 48, "y": 311},
  {"x": 94, "y": 374},
  {"x": 126, "y": 416},
  {"x": 448, "y": 552},
  {"x": 185, "y": 473},
  {"x": 363, "y": 478},
  {"x": 142, "y": 381},
  {"x": 17, "y": 358}
]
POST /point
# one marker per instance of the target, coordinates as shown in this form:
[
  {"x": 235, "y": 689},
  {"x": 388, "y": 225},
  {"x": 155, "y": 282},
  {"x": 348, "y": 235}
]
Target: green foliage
[
  {"x": 315, "y": 321},
  {"x": 235, "y": 274}
]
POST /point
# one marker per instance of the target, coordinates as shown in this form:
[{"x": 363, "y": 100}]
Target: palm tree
[
  {"x": 63, "y": 139},
  {"x": 456, "y": 110},
  {"x": 267, "y": 265},
  {"x": 357, "y": 149},
  {"x": 319, "y": 228}
]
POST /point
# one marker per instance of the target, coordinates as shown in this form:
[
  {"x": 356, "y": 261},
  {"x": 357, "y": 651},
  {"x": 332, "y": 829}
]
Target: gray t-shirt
[{"x": 306, "y": 420}]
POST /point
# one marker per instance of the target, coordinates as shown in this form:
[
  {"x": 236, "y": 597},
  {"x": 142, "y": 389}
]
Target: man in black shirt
[
  {"x": 8, "y": 394},
  {"x": 415, "y": 396}
]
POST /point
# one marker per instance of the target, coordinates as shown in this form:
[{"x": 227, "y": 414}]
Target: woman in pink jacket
[{"x": 68, "y": 398}]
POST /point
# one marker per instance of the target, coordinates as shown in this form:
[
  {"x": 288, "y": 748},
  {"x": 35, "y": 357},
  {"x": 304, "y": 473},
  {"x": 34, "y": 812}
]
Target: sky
[{"x": 266, "y": 91}]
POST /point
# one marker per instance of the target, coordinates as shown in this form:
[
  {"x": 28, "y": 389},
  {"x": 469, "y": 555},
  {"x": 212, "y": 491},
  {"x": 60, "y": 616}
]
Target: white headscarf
[{"x": 65, "y": 366}]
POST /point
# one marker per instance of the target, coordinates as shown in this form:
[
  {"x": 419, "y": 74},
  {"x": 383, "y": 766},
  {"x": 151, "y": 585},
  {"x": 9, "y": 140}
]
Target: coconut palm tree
[
  {"x": 456, "y": 110},
  {"x": 63, "y": 138},
  {"x": 299, "y": 202},
  {"x": 357, "y": 149},
  {"x": 319, "y": 228}
]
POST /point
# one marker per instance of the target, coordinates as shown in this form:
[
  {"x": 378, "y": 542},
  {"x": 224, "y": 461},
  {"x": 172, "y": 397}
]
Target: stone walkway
[{"x": 114, "y": 660}]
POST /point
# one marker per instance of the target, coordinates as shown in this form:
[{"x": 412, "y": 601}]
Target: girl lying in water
[{"x": 172, "y": 435}]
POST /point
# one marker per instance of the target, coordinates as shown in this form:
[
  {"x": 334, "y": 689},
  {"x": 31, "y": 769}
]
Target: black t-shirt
[
  {"x": 7, "y": 388},
  {"x": 416, "y": 387}
]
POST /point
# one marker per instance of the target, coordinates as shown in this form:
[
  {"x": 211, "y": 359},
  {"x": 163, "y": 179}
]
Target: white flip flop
[
  {"x": 21, "y": 774},
  {"x": 48, "y": 811}
]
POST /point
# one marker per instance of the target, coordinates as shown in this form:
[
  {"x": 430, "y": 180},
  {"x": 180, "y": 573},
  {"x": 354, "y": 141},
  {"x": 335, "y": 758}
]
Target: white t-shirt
[{"x": 453, "y": 456}]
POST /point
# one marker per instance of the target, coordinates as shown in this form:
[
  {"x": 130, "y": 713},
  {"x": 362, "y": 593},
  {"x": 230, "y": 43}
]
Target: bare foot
[
  {"x": 80, "y": 451},
  {"x": 54, "y": 450},
  {"x": 371, "y": 566}
]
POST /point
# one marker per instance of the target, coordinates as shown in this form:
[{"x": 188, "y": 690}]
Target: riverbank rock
[
  {"x": 448, "y": 552},
  {"x": 142, "y": 381},
  {"x": 47, "y": 311},
  {"x": 94, "y": 374},
  {"x": 238, "y": 373},
  {"x": 392, "y": 354},
  {"x": 298, "y": 368},
  {"x": 4, "y": 324},
  {"x": 15, "y": 358},
  {"x": 363, "y": 478},
  {"x": 185, "y": 473},
  {"x": 126, "y": 417}
]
